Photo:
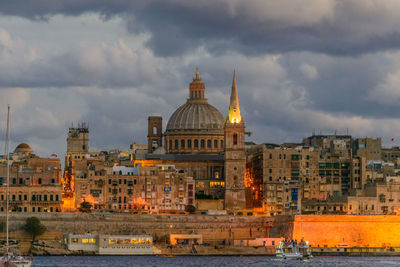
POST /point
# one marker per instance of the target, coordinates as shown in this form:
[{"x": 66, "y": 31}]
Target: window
[
  {"x": 221, "y": 144},
  {"x": 215, "y": 143},
  {"x": 196, "y": 143},
  {"x": 176, "y": 144},
  {"x": 20, "y": 181},
  {"x": 170, "y": 144},
  {"x": 56, "y": 197},
  {"x": 235, "y": 139},
  {"x": 189, "y": 143},
  {"x": 40, "y": 181},
  {"x": 45, "y": 197},
  {"x": 208, "y": 143},
  {"x": 25, "y": 197},
  {"x": 182, "y": 143},
  {"x": 203, "y": 143},
  {"x": 14, "y": 181},
  {"x": 51, "y": 198}
]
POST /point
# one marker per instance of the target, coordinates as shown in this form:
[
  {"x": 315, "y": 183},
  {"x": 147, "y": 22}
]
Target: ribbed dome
[
  {"x": 23, "y": 148},
  {"x": 196, "y": 116}
]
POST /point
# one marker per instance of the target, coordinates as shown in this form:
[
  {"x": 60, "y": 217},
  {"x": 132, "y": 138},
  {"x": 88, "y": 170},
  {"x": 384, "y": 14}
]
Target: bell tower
[{"x": 235, "y": 156}]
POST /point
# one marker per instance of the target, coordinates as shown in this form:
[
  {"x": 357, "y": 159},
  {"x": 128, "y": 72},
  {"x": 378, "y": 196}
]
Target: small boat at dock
[{"x": 293, "y": 250}]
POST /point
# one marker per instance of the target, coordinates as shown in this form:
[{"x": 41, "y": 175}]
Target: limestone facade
[{"x": 35, "y": 183}]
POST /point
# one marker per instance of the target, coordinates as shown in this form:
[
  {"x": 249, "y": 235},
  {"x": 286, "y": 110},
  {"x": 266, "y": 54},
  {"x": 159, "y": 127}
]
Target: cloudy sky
[{"x": 301, "y": 65}]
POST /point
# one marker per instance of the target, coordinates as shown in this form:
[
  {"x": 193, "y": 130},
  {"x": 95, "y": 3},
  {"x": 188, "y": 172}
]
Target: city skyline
[{"x": 113, "y": 69}]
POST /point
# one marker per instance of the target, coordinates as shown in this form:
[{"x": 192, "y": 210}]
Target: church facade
[{"x": 207, "y": 147}]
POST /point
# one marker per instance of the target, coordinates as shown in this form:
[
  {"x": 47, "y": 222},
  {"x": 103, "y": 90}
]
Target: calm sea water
[{"x": 100, "y": 261}]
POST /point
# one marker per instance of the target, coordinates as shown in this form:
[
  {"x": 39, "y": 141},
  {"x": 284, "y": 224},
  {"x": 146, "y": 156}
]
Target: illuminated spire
[
  {"x": 197, "y": 73},
  {"x": 234, "y": 109}
]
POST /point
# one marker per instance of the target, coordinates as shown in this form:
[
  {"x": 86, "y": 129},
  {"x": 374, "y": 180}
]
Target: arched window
[
  {"x": 222, "y": 144},
  {"x": 189, "y": 143},
  {"x": 176, "y": 144},
  {"x": 215, "y": 143},
  {"x": 235, "y": 138},
  {"x": 196, "y": 143},
  {"x": 154, "y": 130},
  {"x": 182, "y": 143},
  {"x": 170, "y": 144},
  {"x": 203, "y": 143},
  {"x": 195, "y": 94},
  {"x": 208, "y": 143}
]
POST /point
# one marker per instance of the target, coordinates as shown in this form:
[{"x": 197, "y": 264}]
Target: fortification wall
[
  {"x": 211, "y": 227},
  {"x": 332, "y": 230}
]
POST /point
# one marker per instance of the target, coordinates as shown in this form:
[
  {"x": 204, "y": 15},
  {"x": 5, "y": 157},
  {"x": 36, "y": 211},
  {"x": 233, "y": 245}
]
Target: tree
[
  {"x": 34, "y": 227},
  {"x": 190, "y": 208},
  {"x": 85, "y": 207}
]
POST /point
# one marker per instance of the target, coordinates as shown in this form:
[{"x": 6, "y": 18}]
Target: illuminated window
[
  {"x": 92, "y": 240},
  {"x": 112, "y": 241},
  {"x": 148, "y": 240},
  {"x": 75, "y": 240},
  {"x": 216, "y": 175},
  {"x": 85, "y": 240},
  {"x": 127, "y": 241},
  {"x": 134, "y": 241},
  {"x": 120, "y": 241},
  {"x": 141, "y": 241}
]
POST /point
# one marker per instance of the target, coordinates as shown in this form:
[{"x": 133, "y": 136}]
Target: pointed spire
[{"x": 234, "y": 109}]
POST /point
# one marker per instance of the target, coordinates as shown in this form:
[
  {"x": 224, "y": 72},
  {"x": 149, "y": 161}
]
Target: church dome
[
  {"x": 195, "y": 116},
  {"x": 196, "y": 126},
  {"x": 23, "y": 148}
]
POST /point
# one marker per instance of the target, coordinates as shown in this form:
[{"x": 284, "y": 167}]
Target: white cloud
[{"x": 309, "y": 71}]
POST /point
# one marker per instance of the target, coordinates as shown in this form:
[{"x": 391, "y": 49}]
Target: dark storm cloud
[{"x": 252, "y": 27}]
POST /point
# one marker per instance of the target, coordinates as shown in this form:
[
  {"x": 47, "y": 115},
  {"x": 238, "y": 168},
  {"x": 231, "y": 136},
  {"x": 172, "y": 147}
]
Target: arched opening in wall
[
  {"x": 235, "y": 138},
  {"x": 215, "y": 143},
  {"x": 176, "y": 144},
  {"x": 189, "y": 143},
  {"x": 208, "y": 143},
  {"x": 203, "y": 143},
  {"x": 154, "y": 130},
  {"x": 182, "y": 143},
  {"x": 196, "y": 143},
  {"x": 222, "y": 144},
  {"x": 170, "y": 144},
  {"x": 195, "y": 94},
  {"x": 235, "y": 181}
]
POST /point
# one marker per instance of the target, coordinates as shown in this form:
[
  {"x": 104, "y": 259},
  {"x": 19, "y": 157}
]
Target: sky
[{"x": 301, "y": 65}]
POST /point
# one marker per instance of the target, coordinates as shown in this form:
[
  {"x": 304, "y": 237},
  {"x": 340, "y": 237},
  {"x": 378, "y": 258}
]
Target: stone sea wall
[
  {"x": 351, "y": 230},
  {"x": 211, "y": 227}
]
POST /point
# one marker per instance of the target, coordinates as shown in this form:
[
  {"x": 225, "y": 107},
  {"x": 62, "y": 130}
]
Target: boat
[
  {"x": 9, "y": 259},
  {"x": 293, "y": 250}
]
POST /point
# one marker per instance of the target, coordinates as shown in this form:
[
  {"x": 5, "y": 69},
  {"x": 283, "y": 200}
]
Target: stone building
[
  {"x": 35, "y": 182},
  {"x": 206, "y": 152},
  {"x": 377, "y": 199},
  {"x": 368, "y": 148}
]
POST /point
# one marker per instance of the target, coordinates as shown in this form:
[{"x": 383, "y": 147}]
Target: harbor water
[{"x": 100, "y": 261}]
